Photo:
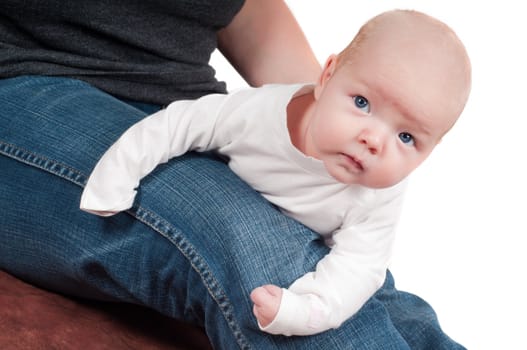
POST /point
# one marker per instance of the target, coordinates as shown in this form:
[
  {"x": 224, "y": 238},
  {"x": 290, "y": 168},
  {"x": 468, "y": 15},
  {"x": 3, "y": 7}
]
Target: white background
[{"x": 460, "y": 242}]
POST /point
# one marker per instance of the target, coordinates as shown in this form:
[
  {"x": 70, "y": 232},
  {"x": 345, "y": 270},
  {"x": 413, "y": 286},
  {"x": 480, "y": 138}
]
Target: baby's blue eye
[
  {"x": 406, "y": 138},
  {"x": 362, "y": 103}
]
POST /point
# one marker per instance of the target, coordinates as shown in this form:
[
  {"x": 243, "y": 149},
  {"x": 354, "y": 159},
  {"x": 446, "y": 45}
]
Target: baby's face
[{"x": 377, "y": 117}]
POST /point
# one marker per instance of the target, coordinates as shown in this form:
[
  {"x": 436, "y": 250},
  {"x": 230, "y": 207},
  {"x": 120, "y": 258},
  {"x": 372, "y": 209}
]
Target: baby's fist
[{"x": 266, "y": 301}]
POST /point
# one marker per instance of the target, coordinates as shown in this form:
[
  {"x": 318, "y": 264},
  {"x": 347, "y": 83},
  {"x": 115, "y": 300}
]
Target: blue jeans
[{"x": 194, "y": 245}]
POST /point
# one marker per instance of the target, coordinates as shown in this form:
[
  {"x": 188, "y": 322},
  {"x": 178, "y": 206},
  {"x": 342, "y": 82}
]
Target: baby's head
[
  {"x": 423, "y": 48},
  {"x": 409, "y": 77}
]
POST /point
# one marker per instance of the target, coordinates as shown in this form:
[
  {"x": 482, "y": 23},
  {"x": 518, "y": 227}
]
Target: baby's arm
[
  {"x": 181, "y": 127},
  {"x": 341, "y": 284}
]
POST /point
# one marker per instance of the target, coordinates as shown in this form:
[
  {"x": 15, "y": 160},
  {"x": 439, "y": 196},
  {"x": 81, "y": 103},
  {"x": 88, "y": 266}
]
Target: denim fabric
[{"x": 194, "y": 245}]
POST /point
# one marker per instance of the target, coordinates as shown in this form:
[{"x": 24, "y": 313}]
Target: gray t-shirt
[{"x": 144, "y": 50}]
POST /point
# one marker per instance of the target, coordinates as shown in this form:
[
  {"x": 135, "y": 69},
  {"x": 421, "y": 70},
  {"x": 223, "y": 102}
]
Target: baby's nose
[{"x": 373, "y": 140}]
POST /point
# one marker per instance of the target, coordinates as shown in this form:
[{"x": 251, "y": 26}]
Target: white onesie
[{"x": 249, "y": 127}]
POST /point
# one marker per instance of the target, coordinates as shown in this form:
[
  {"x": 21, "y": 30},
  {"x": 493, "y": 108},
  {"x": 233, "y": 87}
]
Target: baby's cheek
[{"x": 334, "y": 134}]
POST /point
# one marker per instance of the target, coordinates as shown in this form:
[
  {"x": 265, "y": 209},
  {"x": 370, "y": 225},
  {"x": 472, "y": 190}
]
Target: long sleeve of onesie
[
  {"x": 346, "y": 277},
  {"x": 181, "y": 127}
]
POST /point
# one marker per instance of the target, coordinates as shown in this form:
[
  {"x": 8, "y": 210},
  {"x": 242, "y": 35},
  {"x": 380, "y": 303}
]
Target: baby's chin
[
  {"x": 346, "y": 177},
  {"x": 380, "y": 183}
]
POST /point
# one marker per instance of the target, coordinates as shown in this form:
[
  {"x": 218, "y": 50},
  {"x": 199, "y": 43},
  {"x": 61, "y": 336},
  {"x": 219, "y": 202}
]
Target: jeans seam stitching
[
  {"x": 186, "y": 248},
  {"x": 52, "y": 166},
  {"x": 146, "y": 217}
]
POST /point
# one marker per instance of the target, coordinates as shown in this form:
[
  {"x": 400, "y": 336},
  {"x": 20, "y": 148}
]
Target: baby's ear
[{"x": 327, "y": 73}]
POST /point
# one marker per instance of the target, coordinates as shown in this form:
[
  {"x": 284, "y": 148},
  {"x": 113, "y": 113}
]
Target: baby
[{"x": 334, "y": 155}]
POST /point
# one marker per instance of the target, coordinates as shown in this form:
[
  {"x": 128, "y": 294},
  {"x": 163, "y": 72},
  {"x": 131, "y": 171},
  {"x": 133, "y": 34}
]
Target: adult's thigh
[
  {"x": 190, "y": 248},
  {"x": 53, "y": 131}
]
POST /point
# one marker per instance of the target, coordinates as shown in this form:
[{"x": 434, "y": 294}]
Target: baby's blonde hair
[
  {"x": 372, "y": 26},
  {"x": 408, "y": 21}
]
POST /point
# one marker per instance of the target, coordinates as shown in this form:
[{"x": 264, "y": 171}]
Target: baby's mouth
[{"x": 355, "y": 162}]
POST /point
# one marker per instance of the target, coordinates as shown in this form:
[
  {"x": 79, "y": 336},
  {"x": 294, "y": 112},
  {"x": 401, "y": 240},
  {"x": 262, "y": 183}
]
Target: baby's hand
[{"x": 266, "y": 301}]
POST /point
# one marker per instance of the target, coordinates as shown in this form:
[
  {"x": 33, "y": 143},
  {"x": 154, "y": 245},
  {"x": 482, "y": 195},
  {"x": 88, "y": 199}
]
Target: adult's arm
[{"x": 265, "y": 44}]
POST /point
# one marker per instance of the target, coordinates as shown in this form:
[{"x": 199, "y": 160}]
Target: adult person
[{"x": 74, "y": 77}]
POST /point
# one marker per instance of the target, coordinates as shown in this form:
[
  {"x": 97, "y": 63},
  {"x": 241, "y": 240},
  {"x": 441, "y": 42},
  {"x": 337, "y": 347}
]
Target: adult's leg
[
  {"x": 193, "y": 247},
  {"x": 53, "y": 131}
]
